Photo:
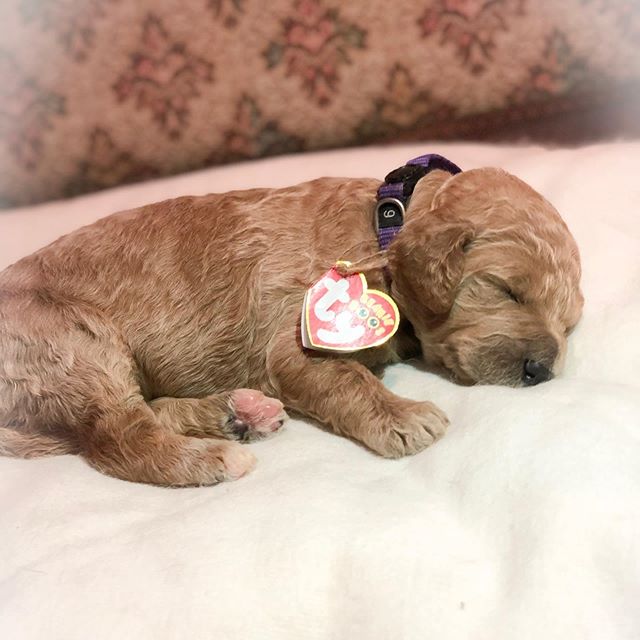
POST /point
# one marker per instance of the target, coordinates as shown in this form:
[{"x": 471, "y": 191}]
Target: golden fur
[{"x": 133, "y": 341}]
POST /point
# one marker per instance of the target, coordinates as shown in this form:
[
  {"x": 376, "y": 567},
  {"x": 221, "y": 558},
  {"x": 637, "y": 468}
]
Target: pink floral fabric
[{"x": 94, "y": 93}]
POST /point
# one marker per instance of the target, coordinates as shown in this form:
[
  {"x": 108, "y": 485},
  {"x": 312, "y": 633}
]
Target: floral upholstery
[{"x": 95, "y": 93}]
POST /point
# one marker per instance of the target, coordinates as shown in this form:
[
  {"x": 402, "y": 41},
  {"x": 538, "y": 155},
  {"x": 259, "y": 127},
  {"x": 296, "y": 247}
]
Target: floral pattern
[
  {"x": 625, "y": 13},
  {"x": 471, "y": 26},
  {"x": 228, "y": 11},
  {"x": 74, "y": 23},
  {"x": 163, "y": 78},
  {"x": 106, "y": 165},
  {"x": 253, "y": 136},
  {"x": 94, "y": 93},
  {"x": 559, "y": 71},
  {"x": 27, "y": 113},
  {"x": 314, "y": 44},
  {"x": 402, "y": 108}
]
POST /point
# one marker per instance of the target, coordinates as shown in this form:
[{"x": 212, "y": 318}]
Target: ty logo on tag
[{"x": 340, "y": 314}]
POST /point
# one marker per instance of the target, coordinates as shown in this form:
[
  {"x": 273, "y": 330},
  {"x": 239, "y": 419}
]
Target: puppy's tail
[{"x": 31, "y": 445}]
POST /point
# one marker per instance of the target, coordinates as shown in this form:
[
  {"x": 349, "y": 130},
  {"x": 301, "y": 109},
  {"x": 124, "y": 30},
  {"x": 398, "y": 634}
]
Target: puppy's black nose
[{"x": 535, "y": 373}]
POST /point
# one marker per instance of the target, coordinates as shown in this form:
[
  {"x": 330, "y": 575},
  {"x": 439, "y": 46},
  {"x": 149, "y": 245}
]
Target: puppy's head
[{"x": 488, "y": 275}]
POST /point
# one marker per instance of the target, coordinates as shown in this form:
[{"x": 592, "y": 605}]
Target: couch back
[{"x": 94, "y": 93}]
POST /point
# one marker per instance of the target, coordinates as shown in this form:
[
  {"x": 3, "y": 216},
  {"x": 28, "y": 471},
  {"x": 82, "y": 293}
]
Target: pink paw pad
[{"x": 258, "y": 412}]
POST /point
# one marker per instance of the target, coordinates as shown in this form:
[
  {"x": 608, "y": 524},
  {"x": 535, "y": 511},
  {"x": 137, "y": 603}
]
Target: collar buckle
[{"x": 396, "y": 191}]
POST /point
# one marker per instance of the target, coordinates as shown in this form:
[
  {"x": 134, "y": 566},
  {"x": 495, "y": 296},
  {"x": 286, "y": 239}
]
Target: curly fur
[{"x": 122, "y": 340}]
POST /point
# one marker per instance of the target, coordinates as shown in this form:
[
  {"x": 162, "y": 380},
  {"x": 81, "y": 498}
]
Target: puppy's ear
[
  {"x": 427, "y": 259},
  {"x": 426, "y": 190}
]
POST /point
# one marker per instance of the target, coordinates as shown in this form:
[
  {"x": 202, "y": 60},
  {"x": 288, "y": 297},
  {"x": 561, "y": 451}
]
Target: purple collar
[{"x": 394, "y": 194}]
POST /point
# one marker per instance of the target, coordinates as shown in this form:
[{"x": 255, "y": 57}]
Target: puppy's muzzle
[{"x": 534, "y": 372}]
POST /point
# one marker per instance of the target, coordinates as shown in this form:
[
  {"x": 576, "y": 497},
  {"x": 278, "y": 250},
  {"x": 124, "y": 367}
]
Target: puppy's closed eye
[
  {"x": 499, "y": 290},
  {"x": 505, "y": 290},
  {"x": 511, "y": 294}
]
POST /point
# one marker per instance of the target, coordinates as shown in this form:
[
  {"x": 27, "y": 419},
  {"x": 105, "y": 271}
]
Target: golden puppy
[{"x": 141, "y": 341}]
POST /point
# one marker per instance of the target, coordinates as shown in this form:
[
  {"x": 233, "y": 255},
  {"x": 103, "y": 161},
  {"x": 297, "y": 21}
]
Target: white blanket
[{"x": 522, "y": 523}]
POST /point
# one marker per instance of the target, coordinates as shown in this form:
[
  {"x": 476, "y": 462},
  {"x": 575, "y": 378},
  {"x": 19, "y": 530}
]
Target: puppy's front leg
[{"x": 346, "y": 396}]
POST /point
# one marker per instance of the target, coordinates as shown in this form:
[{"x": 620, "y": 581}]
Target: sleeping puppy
[{"x": 145, "y": 342}]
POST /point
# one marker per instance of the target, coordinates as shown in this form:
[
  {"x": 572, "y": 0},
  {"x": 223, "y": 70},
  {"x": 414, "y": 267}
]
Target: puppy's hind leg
[
  {"x": 245, "y": 415},
  {"x": 132, "y": 444},
  {"x": 126, "y": 439},
  {"x": 68, "y": 383}
]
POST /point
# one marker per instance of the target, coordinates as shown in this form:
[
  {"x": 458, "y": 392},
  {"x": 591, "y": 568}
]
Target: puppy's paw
[
  {"x": 420, "y": 424},
  {"x": 201, "y": 462},
  {"x": 237, "y": 461},
  {"x": 254, "y": 416}
]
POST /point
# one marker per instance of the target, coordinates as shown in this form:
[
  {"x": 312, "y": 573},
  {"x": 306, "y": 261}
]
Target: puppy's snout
[{"x": 534, "y": 372}]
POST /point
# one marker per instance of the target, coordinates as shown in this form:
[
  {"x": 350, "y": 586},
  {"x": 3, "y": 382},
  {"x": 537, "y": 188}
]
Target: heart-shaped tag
[{"x": 340, "y": 314}]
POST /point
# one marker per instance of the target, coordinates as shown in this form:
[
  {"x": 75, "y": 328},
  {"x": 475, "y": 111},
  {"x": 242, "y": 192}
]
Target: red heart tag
[{"x": 340, "y": 314}]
